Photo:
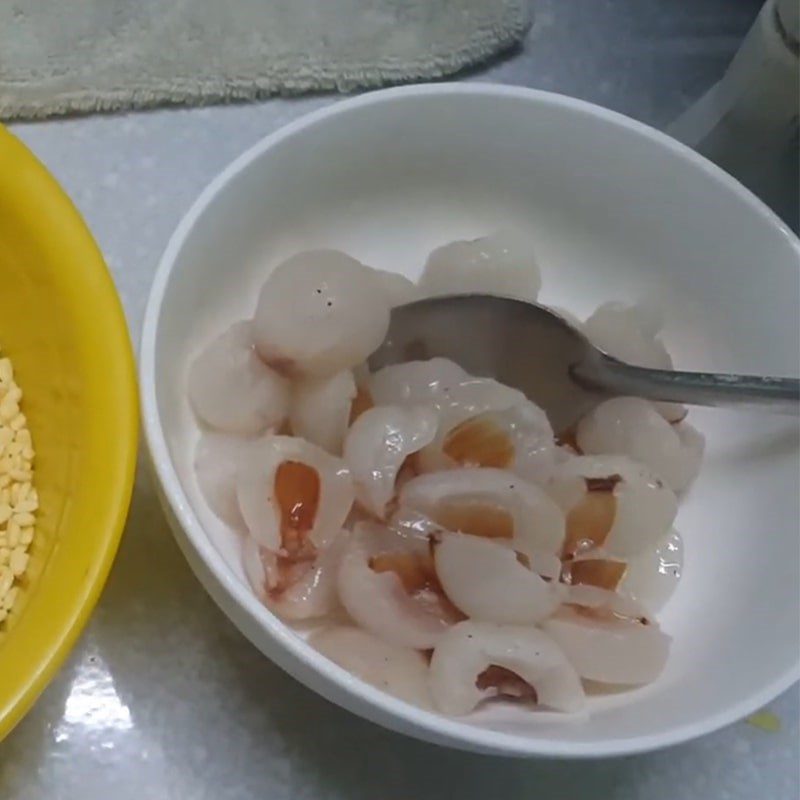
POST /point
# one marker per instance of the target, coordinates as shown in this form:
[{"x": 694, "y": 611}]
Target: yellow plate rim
[{"x": 38, "y": 195}]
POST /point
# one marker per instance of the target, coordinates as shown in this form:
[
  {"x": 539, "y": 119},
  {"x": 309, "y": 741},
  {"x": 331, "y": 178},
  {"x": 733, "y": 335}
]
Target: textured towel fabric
[{"x": 105, "y": 55}]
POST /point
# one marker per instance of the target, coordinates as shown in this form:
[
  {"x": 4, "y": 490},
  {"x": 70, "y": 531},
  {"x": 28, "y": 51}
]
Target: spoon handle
[{"x": 779, "y": 395}]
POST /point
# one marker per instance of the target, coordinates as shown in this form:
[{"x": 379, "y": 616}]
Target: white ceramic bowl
[{"x": 619, "y": 211}]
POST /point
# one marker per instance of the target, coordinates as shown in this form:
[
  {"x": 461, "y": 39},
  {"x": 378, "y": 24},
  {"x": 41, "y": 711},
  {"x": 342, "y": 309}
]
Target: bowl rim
[
  {"x": 393, "y": 711},
  {"x": 37, "y": 195}
]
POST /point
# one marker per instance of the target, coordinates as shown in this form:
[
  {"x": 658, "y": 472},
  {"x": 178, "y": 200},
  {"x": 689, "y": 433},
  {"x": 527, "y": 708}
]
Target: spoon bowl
[{"x": 520, "y": 344}]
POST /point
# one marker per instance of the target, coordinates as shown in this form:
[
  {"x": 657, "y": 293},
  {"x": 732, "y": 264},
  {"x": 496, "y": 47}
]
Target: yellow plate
[{"x": 63, "y": 327}]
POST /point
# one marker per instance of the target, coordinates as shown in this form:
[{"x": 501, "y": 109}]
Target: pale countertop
[{"x": 162, "y": 697}]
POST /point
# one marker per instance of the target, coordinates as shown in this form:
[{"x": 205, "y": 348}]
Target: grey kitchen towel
[{"x": 67, "y": 56}]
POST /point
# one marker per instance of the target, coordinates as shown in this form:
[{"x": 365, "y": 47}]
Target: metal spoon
[{"x": 532, "y": 348}]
